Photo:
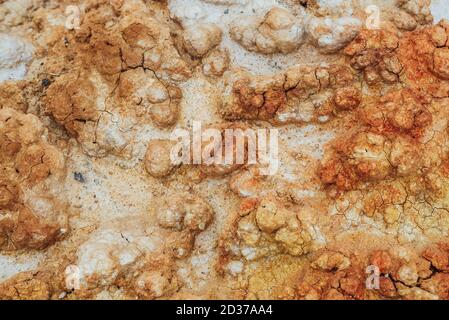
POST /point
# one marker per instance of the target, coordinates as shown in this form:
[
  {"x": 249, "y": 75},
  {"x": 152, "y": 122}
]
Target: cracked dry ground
[{"x": 87, "y": 180}]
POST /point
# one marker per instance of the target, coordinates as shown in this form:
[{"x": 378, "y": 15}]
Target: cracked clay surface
[{"x": 91, "y": 91}]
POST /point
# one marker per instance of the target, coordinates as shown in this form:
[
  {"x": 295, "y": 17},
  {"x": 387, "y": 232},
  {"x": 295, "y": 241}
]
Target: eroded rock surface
[{"x": 93, "y": 206}]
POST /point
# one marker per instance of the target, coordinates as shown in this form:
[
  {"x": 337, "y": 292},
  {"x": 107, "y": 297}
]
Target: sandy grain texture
[{"x": 91, "y": 91}]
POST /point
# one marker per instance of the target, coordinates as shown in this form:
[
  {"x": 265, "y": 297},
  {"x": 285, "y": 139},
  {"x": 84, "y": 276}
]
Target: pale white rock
[
  {"x": 439, "y": 10},
  {"x": 201, "y": 38},
  {"x": 235, "y": 267},
  {"x": 114, "y": 246},
  {"x": 15, "y": 53},
  {"x": 249, "y": 253},
  {"x": 186, "y": 12},
  {"x": 14, "y": 12},
  {"x": 331, "y": 35},
  {"x": 277, "y": 31},
  {"x": 224, "y": 16}
]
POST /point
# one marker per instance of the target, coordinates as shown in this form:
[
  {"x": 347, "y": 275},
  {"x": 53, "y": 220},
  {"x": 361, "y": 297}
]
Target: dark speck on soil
[
  {"x": 46, "y": 82},
  {"x": 78, "y": 176}
]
